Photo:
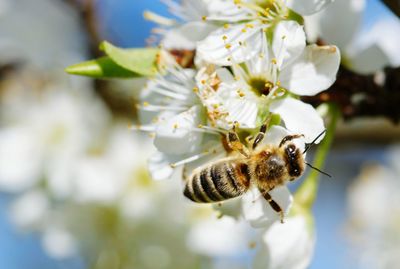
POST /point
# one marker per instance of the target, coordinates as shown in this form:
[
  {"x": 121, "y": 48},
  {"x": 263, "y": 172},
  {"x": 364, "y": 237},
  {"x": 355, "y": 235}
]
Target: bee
[{"x": 265, "y": 166}]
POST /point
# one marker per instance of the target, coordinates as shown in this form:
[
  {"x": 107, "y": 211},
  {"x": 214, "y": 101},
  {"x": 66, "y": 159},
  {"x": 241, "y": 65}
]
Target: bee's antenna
[
  {"x": 322, "y": 172},
  {"x": 308, "y": 146}
]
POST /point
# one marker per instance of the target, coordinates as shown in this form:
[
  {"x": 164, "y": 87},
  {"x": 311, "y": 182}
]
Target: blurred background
[{"x": 74, "y": 191}]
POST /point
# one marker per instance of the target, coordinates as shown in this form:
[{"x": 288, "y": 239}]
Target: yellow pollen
[
  {"x": 244, "y": 30},
  {"x": 249, "y": 25},
  {"x": 200, "y": 126},
  {"x": 203, "y": 81},
  {"x": 226, "y": 26},
  {"x": 240, "y": 93},
  {"x": 145, "y": 103},
  {"x": 195, "y": 90},
  {"x": 204, "y": 18},
  {"x": 274, "y": 61},
  {"x": 228, "y": 46},
  {"x": 224, "y": 37},
  {"x": 176, "y": 126}
]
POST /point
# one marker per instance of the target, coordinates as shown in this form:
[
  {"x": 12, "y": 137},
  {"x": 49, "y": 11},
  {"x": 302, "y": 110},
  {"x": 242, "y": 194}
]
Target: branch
[
  {"x": 393, "y": 5},
  {"x": 364, "y": 96}
]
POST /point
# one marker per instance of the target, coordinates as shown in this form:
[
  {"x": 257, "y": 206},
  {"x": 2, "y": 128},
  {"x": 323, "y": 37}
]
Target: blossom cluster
[
  {"x": 250, "y": 60},
  {"x": 236, "y": 63}
]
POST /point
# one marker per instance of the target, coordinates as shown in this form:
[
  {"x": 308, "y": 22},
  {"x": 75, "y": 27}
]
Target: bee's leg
[
  {"x": 235, "y": 144},
  {"x": 275, "y": 206},
  {"x": 184, "y": 173},
  {"x": 260, "y": 136},
  {"x": 289, "y": 138}
]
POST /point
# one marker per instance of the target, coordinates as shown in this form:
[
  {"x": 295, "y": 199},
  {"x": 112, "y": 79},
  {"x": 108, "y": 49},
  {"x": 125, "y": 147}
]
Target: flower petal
[
  {"x": 235, "y": 44},
  {"x": 307, "y": 7},
  {"x": 299, "y": 118},
  {"x": 275, "y": 135},
  {"x": 289, "y": 245},
  {"x": 186, "y": 36},
  {"x": 218, "y": 237},
  {"x": 369, "y": 52},
  {"x": 175, "y": 135},
  {"x": 314, "y": 71},
  {"x": 227, "y": 11},
  {"x": 288, "y": 43},
  {"x": 159, "y": 165},
  {"x": 257, "y": 211}
]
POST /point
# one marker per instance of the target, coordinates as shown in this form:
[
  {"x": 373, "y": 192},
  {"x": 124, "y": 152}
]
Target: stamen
[
  {"x": 154, "y": 17},
  {"x": 195, "y": 157},
  {"x": 145, "y": 128}
]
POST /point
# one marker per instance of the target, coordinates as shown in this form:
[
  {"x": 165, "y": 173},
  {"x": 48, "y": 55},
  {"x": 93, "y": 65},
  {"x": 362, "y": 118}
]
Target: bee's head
[{"x": 294, "y": 160}]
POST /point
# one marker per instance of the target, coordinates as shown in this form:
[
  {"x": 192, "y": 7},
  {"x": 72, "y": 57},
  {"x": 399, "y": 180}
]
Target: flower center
[{"x": 260, "y": 85}]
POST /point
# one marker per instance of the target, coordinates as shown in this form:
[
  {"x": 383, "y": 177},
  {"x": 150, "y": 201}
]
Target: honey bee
[{"x": 265, "y": 166}]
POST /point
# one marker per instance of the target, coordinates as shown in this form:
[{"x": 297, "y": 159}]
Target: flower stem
[{"x": 307, "y": 192}]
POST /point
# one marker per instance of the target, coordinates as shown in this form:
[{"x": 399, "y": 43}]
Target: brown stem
[
  {"x": 393, "y": 5},
  {"x": 364, "y": 96}
]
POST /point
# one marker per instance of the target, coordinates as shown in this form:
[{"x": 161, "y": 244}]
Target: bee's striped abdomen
[{"x": 218, "y": 182}]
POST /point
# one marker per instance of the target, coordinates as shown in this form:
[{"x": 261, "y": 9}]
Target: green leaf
[
  {"x": 102, "y": 67},
  {"x": 139, "y": 60}
]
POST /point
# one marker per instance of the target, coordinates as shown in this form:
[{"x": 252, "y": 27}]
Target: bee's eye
[{"x": 291, "y": 148}]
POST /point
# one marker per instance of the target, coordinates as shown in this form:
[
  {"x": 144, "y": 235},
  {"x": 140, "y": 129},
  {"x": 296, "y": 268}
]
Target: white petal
[
  {"x": 368, "y": 60},
  {"x": 288, "y": 43},
  {"x": 30, "y": 209},
  {"x": 370, "y": 52},
  {"x": 289, "y": 245},
  {"x": 215, "y": 49},
  {"x": 59, "y": 243},
  {"x": 350, "y": 13},
  {"x": 299, "y": 118},
  {"x": 186, "y": 36},
  {"x": 257, "y": 211},
  {"x": 175, "y": 135},
  {"x": 275, "y": 135},
  {"x": 218, "y": 237},
  {"x": 159, "y": 165},
  {"x": 227, "y": 11},
  {"x": 313, "y": 71},
  {"x": 19, "y": 148},
  {"x": 307, "y": 7}
]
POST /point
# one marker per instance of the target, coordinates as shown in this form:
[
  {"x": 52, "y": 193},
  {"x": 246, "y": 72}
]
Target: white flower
[
  {"x": 289, "y": 245},
  {"x": 288, "y": 66},
  {"x": 364, "y": 50},
  {"x": 50, "y": 130},
  {"x": 243, "y": 39},
  {"x": 374, "y": 213}
]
